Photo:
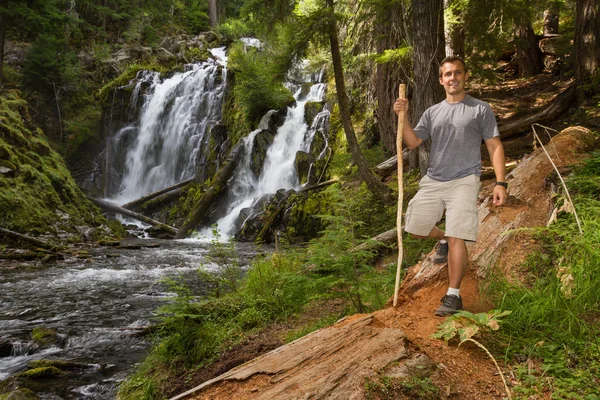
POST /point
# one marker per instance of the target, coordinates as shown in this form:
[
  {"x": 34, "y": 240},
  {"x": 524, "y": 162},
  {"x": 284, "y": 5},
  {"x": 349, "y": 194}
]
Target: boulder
[
  {"x": 304, "y": 162},
  {"x": 262, "y": 141},
  {"x": 311, "y": 109}
]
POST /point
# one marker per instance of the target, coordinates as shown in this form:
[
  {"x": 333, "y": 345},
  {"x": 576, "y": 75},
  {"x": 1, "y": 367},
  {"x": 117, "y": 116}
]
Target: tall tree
[
  {"x": 428, "y": 52},
  {"x": 529, "y": 56},
  {"x": 587, "y": 48},
  {"x": 212, "y": 13},
  {"x": 390, "y": 38},
  {"x": 379, "y": 189}
]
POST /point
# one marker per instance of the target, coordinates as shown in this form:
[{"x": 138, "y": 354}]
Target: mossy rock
[
  {"x": 303, "y": 164},
  {"x": 262, "y": 141},
  {"x": 60, "y": 364},
  {"x": 19, "y": 394},
  {"x": 44, "y": 336},
  {"x": 42, "y": 373},
  {"x": 318, "y": 144},
  {"x": 311, "y": 109}
]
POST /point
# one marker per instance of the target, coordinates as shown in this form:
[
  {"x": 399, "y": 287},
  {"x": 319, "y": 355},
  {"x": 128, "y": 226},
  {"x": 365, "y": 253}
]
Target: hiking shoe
[
  {"x": 450, "y": 305},
  {"x": 441, "y": 253}
]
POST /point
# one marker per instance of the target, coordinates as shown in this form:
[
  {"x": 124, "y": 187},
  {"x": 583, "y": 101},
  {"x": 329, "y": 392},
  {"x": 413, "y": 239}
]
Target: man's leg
[
  {"x": 457, "y": 261},
  {"x": 457, "y": 266}
]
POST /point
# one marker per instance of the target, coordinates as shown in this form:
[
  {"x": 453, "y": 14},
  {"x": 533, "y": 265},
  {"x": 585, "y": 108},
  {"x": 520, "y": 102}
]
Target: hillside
[{"x": 338, "y": 361}]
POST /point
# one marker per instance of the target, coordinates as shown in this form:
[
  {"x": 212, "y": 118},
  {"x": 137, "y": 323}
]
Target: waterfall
[
  {"x": 278, "y": 170},
  {"x": 161, "y": 148}
]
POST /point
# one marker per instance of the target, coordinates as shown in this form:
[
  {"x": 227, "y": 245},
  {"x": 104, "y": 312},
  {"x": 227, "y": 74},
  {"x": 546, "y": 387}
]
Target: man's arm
[
  {"x": 408, "y": 135},
  {"x": 496, "y": 151}
]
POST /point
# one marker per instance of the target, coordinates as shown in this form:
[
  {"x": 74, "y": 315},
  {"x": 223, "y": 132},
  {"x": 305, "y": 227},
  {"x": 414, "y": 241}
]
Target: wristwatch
[{"x": 505, "y": 184}]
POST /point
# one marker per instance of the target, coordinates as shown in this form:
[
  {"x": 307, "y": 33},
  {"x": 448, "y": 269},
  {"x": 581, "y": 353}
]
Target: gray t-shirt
[{"x": 456, "y": 131}]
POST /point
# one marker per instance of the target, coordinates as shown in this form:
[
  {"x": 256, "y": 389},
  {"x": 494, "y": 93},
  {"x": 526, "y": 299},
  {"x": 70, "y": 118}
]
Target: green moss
[
  {"x": 43, "y": 373},
  {"x": 42, "y": 196},
  {"x": 185, "y": 206},
  {"x": 19, "y": 394},
  {"x": 123, "y": 79},
  {"x": 43, "y": 336}
]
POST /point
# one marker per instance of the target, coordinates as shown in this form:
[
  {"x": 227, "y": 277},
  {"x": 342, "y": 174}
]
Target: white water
[
  {"x": 279, "y": 170},
  {"x": 176, "y": 115}
]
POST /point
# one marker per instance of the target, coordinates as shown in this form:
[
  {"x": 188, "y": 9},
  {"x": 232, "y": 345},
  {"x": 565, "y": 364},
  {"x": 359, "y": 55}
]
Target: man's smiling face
[{"x": 453, "y": 77}]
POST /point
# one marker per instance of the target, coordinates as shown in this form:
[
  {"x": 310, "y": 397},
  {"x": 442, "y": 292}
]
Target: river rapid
[{"x": 97, "y": 306}]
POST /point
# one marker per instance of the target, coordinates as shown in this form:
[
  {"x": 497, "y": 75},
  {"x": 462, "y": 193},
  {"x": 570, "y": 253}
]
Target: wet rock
[
  {"x": 303, "y": 164},
  {"x": 109, "y": 243},
  {"x": 158, "y": 232},
  {"x": 263, "y": 217},
  {"x": 21, "y": 394},
  {"x": 6, "y": 347},
  {"x": 44, "y": 337},
  {"x": 42, "y": 373},
  {"x": 311, "y": 109},
  {"x": 318, "y": 144},
  {"x": 273, "y": 119},
  {"x": 262, "y": 141},
  {"x": 59, "y": 364}
]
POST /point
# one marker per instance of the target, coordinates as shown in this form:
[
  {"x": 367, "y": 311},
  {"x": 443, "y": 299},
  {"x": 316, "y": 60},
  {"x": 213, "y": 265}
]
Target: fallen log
[
  {"x": 208, "y": 197},
  {"x": 389, "y": 166},
  {"x": 25, "y": 238},
  {"x": 318, "y": 185},
  {"x": 105, "y": 205},
  {"x": 135, "y": 204},
  {"x": 562, "y": 102}
]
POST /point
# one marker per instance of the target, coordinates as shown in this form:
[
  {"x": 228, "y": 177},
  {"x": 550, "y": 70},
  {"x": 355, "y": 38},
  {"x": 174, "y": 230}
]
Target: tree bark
[
  {"x": 389, "y": 74},
  {"x": 208, "y": 197},
  {"x": 529, "y": 57},
  {"x": 551, "y": 17},
  {"x": 120, "y": 210},
  {"x": 376, "y": 187},
  {"x": 32, "y": 240},
  {"x": 212, "y": 13},
  {"x": 587, "y": 48},
  {"x": 429, "y": 51},
  {"x": 3, "y": 23},
  {"x": 135, "y": 204}
]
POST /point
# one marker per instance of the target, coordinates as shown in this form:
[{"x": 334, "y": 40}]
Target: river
[{"x": 96, "y": 306}]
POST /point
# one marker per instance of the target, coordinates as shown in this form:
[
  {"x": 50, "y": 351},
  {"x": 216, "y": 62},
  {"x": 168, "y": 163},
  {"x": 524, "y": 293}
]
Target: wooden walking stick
[{"x": 401, "y": 116}]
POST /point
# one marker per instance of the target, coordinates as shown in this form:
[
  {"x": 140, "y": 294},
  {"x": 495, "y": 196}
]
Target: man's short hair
[{"x": 452, "y": 59}]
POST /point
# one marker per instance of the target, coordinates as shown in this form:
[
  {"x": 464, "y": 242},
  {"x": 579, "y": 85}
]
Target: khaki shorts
[{"x": 458, "y": 197}]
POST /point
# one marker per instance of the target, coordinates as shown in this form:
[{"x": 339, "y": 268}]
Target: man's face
[{"x": 454, "y": 77}]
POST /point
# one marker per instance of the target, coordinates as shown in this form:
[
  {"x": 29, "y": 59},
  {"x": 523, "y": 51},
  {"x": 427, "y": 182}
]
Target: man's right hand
[{"x": 400, "y": 105}]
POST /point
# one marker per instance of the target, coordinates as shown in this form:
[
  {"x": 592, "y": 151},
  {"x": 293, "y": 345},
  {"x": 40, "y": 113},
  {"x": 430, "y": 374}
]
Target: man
[{"x": 456, "y": 127}]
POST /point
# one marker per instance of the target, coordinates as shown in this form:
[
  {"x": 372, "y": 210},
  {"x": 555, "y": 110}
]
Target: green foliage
[
  {"x": 41, "y": 189},
  {"x": 465, "y": 324},
  {"x": 386, "y": 388},
  {"x": 258, "y": 81},
  {"x": 223, "y": 271},
  {"x": 554, "y": 318}
]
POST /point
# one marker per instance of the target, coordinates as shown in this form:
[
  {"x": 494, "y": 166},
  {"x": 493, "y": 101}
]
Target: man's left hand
[{"x": 499, "y": 195}]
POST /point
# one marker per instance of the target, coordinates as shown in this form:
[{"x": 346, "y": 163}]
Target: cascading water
[
  {"x": 278, "y": 171},
  {"x": 162, "y": 147}
]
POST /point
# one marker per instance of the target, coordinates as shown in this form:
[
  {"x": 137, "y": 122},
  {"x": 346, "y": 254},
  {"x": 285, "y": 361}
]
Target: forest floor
[{"x": 463, "y": 373}]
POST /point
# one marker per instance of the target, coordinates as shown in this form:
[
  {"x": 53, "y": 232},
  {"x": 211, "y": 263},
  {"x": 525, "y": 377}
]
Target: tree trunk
[
  {"x": 551, "y": 17},
  {"x": 105, "y": 205},
  {"x": 529, "y": 58},
  {"x": 135, "y": 204},
  {"x": 389, "y": 74},
  {"x": 455, "y": 32},
  {"x": 212, "y": 13},
  {"x": 587, "y": 48},
  {"x": 429, "y": 50},
  {"x": 3, "y": 23},
  {"x": 376, "y": 187},
  {"x": 208, "y": 197}
]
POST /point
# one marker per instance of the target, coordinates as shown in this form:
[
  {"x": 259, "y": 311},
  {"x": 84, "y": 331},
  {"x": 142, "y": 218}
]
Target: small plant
[
  {"x": 226, "y": 271},
  {"x": 465, "y": 325}
]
